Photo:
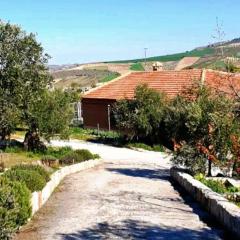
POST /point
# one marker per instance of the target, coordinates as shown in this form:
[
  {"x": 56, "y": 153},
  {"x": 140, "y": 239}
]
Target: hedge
[
  {"x": 37, "y": 168},
  {"x": 15, "y": 207},
  {"x": 33, "y": 180},
  {"x": 78, "y": 156}
]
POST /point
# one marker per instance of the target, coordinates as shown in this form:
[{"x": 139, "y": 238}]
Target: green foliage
[
  {"x": 155, "y": 148},
  {"x": 51, "y": 114},
  {"x": 37, "y": 168},
  {"x": 189, "y": 157},
  {"x": 110, "y": 77},
  {"x": 23, "y": 75},
  {"x": 15, "y": 206},
  {"x": 216, "y": 185},
  {"x": 78, "y": 156},
  {"x": 173, "y": 57},
  {"x": 33, "y": 180},
  {"x": 137, "y": 67},
  {"x": 58, "y": 152},
  {"x": 140, "y": 118}
]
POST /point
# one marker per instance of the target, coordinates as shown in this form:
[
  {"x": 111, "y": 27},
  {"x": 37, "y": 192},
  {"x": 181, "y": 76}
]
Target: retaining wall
[
  {"x": 225, "y": 212},
  {"x": 39, "y": 198}
]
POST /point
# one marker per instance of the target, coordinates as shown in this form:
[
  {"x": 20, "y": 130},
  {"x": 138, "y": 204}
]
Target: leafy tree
[
  {"x": 49, "y": 114},
  {"x": 23, "y": 75},
  {"x": 141, "y": 118},
  {"x": 24, "y": 80},
  {"x": 208, "y": 122}
]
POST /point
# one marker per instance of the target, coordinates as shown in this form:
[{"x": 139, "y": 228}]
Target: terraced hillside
[{"x": 81, "y": 78}]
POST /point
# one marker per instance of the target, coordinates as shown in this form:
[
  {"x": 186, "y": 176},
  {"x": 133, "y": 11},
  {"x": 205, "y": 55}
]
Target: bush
[
  {"x": 58, "y": 152},
  {"x": 15, "y": 206},
  {"x": 37, "y": 168},
  {"x": 190, "y": 158},
  {"x": 33, "y": 180},
  {"x": 50, "y": 161},
  {"x": 155, "y": 148},
  {"x": 216, "y": 185},
  {"x": 78, "y": 156}
]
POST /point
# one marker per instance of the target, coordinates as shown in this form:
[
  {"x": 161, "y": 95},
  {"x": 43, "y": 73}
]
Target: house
[{"x": 96, "y": 104}]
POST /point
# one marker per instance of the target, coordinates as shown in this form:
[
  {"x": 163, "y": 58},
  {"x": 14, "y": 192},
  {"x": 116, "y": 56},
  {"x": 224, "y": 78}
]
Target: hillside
[
  {"x": 210, "y": 56},
  {"x": 92, "y": 74},
  {"x": 83, "y": 79}
]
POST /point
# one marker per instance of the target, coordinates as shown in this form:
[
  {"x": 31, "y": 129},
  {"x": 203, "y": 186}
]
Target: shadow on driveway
[
  {"x": 161, "y": 174},
  {"x": 132, "y": 229}
]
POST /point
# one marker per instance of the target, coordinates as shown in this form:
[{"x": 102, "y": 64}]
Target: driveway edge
[
  {"x": 225, "y": 212},
  {"x": 38, "y": 199}
]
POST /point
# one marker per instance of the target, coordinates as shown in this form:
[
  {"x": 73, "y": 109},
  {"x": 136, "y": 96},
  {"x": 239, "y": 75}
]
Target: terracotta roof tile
[{"x": 170, "y": 82}]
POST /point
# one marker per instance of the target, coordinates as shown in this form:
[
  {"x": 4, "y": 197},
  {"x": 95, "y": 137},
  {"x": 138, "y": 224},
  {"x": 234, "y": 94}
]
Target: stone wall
[
  {"x": 39, "y": 198},
  {"x": 225, "y": 212}
]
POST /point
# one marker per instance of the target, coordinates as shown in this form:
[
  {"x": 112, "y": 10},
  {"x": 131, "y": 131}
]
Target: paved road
[{"x": 129, "y": 196}]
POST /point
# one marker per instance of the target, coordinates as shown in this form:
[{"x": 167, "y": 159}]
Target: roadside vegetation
[
  {"x": 18, "y": 182},
  {"x": 201, "y": 126},
  {"x": 28, "y": 100},
  {"x": 136, "y": 67},
  {"x": 223, "y": 187}
]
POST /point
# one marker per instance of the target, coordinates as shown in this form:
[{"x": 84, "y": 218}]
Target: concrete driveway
[{"x": 129, "y": 196}]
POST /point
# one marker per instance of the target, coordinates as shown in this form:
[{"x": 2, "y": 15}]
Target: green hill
[{"x": 173, "y": 57}]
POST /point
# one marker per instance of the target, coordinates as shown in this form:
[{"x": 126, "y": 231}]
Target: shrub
[
  {"x": 33, "y": 180},
  {"x": 216, "y": 185},
  {"x": 50, "y": 161},
  {"x": 190, "y": 158},
  {"x": 37, "y": 168},
  {"x": 84, "y": 154},
  {"x": 78, "y": 156},
  {"x": 58, "y": 152},
  {"x": 15, "y": 206}
]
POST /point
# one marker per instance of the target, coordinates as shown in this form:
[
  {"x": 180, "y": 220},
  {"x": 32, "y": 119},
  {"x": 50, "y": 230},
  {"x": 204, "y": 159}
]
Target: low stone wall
[
  {"x": 39, "y": 198},
  {"x": 225, "y": 212}
]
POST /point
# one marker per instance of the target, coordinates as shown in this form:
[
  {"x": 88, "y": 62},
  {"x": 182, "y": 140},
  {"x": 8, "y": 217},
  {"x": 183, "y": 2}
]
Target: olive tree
[
  {"x": 141, "y": 117},
  {"x": 23, "y": 75},
  {"x": 24, "y": 89},
  {"x": 208, "y": 121}
]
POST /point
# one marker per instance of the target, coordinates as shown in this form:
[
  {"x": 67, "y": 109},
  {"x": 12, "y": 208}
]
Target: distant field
[
  {"x": 137, "y": 67},
  {"x": 172, "y": 57},
  {"x": 82, "y": 78},
  {"x": 110, "y": 77}
]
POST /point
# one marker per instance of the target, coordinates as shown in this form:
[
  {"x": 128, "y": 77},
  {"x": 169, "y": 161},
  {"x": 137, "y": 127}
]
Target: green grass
[
  {"x": 155, "y": 148},
  {"x": 110, "y": 77},
  {"x": 216, "y": 185},
  {"x": 173, "y": 57},
  {"x": 82, "y": 133},
  {"x": 137, "y": 67}
]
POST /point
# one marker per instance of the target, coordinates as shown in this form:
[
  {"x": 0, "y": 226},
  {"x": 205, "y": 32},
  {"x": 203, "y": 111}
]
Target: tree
[
  {"x": 209, "y": 122},
  {"x": 141, "y": 117},
  {"x": 48, "y": 115},
  {"x": 23, "y": 75}
]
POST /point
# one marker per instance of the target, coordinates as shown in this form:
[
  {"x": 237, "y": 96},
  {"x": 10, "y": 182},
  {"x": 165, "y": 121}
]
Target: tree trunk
[
  {"x": 209, "y": 174},
  {"x": 32, "y": 141}
]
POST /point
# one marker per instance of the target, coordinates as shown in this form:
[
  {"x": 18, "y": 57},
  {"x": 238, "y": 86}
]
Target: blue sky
[{"x": 76, "y": 31}]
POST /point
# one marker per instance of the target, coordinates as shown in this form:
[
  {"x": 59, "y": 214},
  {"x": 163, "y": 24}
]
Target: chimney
[{"x": 157, "y": 66}]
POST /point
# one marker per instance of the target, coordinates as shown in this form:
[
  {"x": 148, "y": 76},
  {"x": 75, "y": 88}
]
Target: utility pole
[
  {"x": 145, "y": 55},
  {"x": 109, "y": 117}
]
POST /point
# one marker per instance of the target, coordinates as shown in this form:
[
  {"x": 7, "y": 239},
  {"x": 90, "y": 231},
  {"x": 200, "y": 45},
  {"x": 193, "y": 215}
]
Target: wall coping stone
[{"x": 225, "y": 212}]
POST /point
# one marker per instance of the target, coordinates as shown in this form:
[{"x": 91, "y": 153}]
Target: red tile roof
[
  {"x": 223, "y": 82},
  {"x": 169, "y": 82}
]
